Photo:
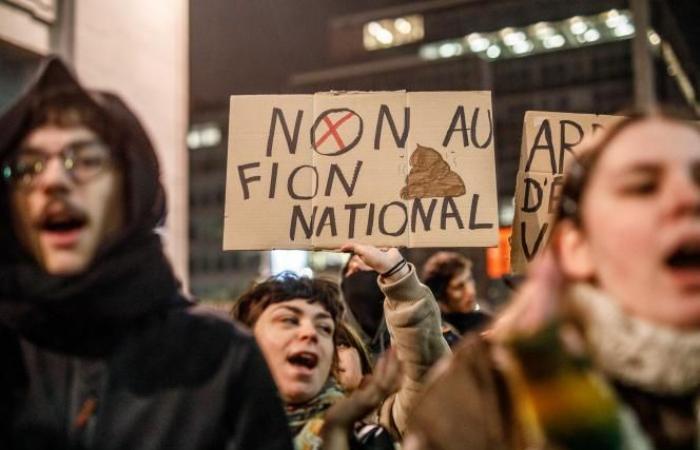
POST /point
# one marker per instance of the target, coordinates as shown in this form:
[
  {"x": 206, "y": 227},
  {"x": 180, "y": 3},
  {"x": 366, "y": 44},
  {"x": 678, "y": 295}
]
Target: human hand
[
  {"x": 384, "y": 381},
  {"x": 536, "y": 302},
  {"x": 380, "y": 260}
]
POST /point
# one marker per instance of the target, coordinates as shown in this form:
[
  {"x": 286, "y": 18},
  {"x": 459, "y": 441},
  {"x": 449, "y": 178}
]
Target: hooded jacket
[{"x": 116, "y": 357}]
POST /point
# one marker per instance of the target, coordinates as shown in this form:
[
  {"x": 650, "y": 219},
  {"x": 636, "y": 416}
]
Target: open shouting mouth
[
  {"x": 61, "y": 224},
  {"x": 686, "y": 256},
  {"x": 306, "y": 361}
]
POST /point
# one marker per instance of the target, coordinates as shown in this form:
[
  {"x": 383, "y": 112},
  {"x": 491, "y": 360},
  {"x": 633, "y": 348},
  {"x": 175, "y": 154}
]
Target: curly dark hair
[
  {"x": 440, "y": 268},
  {"x": 287, "y": 286}
]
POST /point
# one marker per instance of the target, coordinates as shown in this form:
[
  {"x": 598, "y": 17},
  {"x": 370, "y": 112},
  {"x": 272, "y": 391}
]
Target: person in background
[
  {"x": 354, "y": 362},
  {"x": 365, "y": 304},
  {"x": 100, "y": 349},
  {"x": 449, "y": 275},
  {"x": 295, "y": 321},
  {"x": 600, "y": 347}
]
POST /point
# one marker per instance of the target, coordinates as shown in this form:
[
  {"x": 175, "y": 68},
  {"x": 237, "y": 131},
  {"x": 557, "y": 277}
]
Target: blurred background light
[
  {"x": 203, "y": 136},
  {"x": 386, "y": 33},
  {"x": 289, "y": 260},
  {"x": 511, "y": 42}
]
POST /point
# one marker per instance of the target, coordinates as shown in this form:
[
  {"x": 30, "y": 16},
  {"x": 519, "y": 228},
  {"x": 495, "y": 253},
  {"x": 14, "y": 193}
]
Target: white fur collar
[{"x": 636, "y": 352}]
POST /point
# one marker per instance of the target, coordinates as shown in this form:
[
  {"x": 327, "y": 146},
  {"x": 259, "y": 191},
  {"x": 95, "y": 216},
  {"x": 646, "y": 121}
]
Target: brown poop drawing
[{"x": 430, "y": 176}]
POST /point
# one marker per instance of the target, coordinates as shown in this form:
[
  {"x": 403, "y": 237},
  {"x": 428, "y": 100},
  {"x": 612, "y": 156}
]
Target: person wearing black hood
[
  {"x": 365, "y": 302},
  {"x": 100, "y": 348}
]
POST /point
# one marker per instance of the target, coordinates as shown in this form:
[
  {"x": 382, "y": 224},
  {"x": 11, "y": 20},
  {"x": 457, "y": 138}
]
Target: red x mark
[{"x": 332, "y": 129}]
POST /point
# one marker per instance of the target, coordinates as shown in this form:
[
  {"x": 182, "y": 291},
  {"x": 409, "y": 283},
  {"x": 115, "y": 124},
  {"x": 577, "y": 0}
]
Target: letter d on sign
[{"x": 538, "y": 195}]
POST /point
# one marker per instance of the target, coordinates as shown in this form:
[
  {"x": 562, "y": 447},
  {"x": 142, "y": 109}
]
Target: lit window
[
  {"x": 591, "y": 35},
  {"x": 511, "y": 42},
  {"x": 387, "y": 33},
  {"x": 477, "y": 43},
  {"x": 493, "y": 52},
  {"x": 577, "y": 25}
]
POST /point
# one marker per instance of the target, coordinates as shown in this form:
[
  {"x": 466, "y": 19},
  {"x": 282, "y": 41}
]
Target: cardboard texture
[
  {"x": 550, "y": 142},
  {"x": 386, "y": 168}
]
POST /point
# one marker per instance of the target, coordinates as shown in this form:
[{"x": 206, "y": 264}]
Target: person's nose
[
  {"x": 55, "y": 177},
  {"x": 307, "y": 331},
  {"x": 683, "y": 195}
]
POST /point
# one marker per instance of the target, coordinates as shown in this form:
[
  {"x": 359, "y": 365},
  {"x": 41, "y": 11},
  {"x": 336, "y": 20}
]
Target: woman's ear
[{"x": 573, "y": 251}]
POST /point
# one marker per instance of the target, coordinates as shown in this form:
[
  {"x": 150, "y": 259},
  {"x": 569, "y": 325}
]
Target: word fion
[{"x": 303, "y": 171}]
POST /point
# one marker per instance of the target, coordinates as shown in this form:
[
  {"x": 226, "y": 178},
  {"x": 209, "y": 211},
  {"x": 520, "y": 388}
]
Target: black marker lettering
[
  {"x": 298, "y": 216},
  {"x": 472, "y": 216},
  {"x": 546, "y": 131},
  {"x": 384, "y": 111},
  {"x": 335, "y": 171},
  {"x": 290, "y": 183},
  {"x": 565, "y": 144},
  {"x": 382, "y": 216},
  {"x": 475, "y": 119},
  {"x": 353, "y": 207},
  {"x": 538, "y": 240},
  {"x": 448, "y": 203},
  {"x": 370, "y": 219},
  {"x": 327, "y": 219},
  {"x": 273, "y": 180},
  {"x": 538, "y": 195},
  {"x": 457, "y": 117},
  {"x": 245, "y": 180},
  {"x": 418, "y": 210},
  {"x": 555, "y": 191},
  {"x": 292, "y": 140}
]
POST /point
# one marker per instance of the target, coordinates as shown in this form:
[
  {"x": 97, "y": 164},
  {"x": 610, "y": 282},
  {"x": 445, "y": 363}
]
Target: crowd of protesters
[{"x": 599, "y": 347}]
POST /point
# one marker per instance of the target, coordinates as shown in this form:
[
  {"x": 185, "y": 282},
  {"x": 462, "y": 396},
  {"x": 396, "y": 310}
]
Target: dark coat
[
  {"x": 116, "y": 357},
  {"x": 185, "y": 379}
]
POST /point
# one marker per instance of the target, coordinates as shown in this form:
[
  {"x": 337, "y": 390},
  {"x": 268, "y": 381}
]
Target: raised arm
[{"x": 413, "y": 319}]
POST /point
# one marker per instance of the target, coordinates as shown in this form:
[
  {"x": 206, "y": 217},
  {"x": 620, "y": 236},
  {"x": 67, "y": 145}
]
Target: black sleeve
[
  {"x": 13, "y": 383},
  {"x": 256, "y": 417}
]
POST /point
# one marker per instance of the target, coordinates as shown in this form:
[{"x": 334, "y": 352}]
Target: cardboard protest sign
[
  {"x": 550, "y": 142},
  {"x": 387, "y": 168}
]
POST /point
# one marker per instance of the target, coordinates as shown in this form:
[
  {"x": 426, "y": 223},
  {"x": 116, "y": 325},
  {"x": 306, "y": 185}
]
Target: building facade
[
  {"x": 551, "y": 55},
  {"x": 136, "y": 49}
]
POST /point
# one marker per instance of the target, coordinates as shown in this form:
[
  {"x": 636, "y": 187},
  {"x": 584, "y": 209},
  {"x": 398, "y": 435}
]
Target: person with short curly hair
[
  {"x": 449, "y": 275},
  {"x": 296, "y": 320}
]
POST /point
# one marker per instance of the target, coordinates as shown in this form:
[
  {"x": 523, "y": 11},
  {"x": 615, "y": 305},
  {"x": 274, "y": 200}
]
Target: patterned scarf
[{"x": 306, "y": 420}]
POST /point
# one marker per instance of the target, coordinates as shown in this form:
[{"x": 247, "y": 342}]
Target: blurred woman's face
[
  {"x": 461, "y": 293},
  {"x": 641, "y": 222},
  {"x": 349, "y": 368},
  {"x": 296, "y": 339}
]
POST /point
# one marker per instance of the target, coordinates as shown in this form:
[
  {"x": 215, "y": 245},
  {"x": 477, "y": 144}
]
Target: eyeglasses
[{"x": 83, "y": 160}]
